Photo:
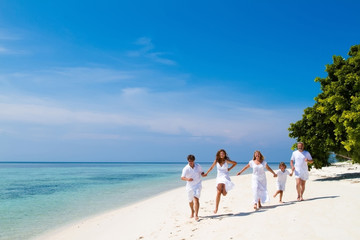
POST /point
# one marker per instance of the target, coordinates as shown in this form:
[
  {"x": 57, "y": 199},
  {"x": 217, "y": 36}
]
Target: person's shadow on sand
[
  {"x": 340, "y": 177},
  {"x": 262, "y": 209},
  {"x": 218, "y": 216},
  {"x": 318, "y": 198},
  {"x": 242, "y": 214}
]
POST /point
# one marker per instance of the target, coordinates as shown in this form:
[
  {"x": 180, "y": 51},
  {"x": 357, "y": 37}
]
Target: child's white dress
[
  {"x": 259, "y": 182},
  {"x": 223, "y": 176},
  {"x": 281, "y": 179}
]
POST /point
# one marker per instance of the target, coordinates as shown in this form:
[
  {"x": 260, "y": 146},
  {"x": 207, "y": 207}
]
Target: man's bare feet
[
  {"x": 301, "y": 199},
  {"x": 215, "y": 211},
  {"x": 197, "y": 218},
  {"x": 255, "y": 206},
  {"x": 192, "y": 215}
]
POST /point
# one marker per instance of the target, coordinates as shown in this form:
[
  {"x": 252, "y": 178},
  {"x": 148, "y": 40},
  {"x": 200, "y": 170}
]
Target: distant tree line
[{"x": 332, "y": 125}]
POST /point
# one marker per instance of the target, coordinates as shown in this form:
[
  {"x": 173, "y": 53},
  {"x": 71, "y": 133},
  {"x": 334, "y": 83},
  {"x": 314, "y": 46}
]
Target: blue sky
[{"x": 158, "y": 80}]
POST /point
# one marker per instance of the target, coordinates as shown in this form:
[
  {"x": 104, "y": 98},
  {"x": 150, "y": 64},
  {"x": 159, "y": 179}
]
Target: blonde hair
[{"x": 261, "y": 156}]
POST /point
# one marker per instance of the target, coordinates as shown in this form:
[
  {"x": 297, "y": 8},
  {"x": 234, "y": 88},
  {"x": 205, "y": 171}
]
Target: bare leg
[
  {"x": 298, "y": 188},
  {"x": 191, "y": 204},
  {"x": 223, "y": 190},
  {"x": 302, "y": 186},
  {"x": 218, "y": 195},
  {"x": 259, "y": 203},
  {"x": 196, "y": 208},
  {"x": 281, "y": 195},
  {"x": 277, "y": 192}
]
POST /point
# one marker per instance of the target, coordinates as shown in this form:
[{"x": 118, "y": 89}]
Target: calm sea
[{"x": 37, "y": 197}]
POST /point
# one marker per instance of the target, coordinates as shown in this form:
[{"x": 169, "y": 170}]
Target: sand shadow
[
  {"x": 339, "y": 177},
  {"x": 278, "y": 205},
  {"x": 318, "y": 198},
  {"x": 263, "y": 208},
  {"x": 244, "y": 214},
  {"x": 218, "y": 216}
]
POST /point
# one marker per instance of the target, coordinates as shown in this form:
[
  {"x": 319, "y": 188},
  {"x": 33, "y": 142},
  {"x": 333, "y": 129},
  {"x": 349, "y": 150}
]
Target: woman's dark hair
[{"x": 218, "y": 159}]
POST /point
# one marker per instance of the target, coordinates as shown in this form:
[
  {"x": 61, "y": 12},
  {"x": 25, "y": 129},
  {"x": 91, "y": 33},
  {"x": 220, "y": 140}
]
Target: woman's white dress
[
  {"x": 259, "y": 182},
  {"x": 223, "y": 176}
]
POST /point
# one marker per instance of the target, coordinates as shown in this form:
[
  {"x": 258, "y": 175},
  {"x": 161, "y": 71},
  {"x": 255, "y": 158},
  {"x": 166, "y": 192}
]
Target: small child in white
[{"x": 282, "y": 173}]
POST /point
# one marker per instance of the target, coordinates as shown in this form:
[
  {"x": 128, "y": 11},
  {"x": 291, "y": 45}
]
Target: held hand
[
  {"x": 204, "y": 174},
  {"x": 190, "y": 179},
  {"x": 275, "y": 175},
  {"x": 238, "y": 173}
]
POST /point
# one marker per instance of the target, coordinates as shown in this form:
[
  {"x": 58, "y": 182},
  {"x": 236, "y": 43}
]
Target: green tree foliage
[{"x": 333, "y": 123}]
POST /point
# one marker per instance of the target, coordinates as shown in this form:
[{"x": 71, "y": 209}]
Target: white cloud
[
  {"x": 9, "y": 51},
  {"x": 94, "y": 136},
  {"x": 40, "y": 114},
  {"x": 146, "y": 51},
  {"x": 86, "y": 74},
  {"x": 3, "y": 50},
  {"x": 8, "y": 35},
  {"x": 243, "y": 124}
]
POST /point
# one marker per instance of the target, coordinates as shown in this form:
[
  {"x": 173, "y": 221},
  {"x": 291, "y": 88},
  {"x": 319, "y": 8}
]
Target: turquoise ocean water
[{"x": 37, "y": 197}]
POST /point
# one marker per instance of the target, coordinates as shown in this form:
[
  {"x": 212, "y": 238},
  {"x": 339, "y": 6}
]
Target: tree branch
[{"x": 348, "y": 158}]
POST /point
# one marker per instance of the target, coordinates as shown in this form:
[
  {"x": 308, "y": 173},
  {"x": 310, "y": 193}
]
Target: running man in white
[
  {"x": 281, "y": 173},
  {"x": 301, "y": 159},
  {"x": 192, "y": 173}
]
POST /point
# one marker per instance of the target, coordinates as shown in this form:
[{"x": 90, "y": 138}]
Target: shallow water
[{"x": 37, "y": 197}]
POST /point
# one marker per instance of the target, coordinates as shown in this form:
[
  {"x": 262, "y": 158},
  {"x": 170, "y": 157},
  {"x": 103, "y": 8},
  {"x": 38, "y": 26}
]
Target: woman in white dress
[
  {"x": 259, "y": 184},
  {"x": 223, "y": 181}
]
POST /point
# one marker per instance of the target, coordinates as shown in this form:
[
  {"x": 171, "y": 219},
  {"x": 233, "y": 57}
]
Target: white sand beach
[{"x": 330, "y": 211}]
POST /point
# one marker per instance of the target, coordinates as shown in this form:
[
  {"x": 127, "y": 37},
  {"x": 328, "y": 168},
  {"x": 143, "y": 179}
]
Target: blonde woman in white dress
[
  {"x": 259, "y": 184},
  {"x": 223, "y": 181}
]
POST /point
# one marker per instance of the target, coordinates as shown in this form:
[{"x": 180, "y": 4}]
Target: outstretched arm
[
  {"x": 233, "y": 164},
  {"x": 242, "y": 170},
  {"x": 269, "y": 168},
  {"x": 211, "y": 168},
  {"x": 292, "y": 172}
]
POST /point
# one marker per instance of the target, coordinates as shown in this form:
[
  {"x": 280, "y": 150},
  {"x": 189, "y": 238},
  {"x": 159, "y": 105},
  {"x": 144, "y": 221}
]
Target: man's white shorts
[
  {"x": 303, "y": 175},
  {"x": 195, "y": 192}
]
